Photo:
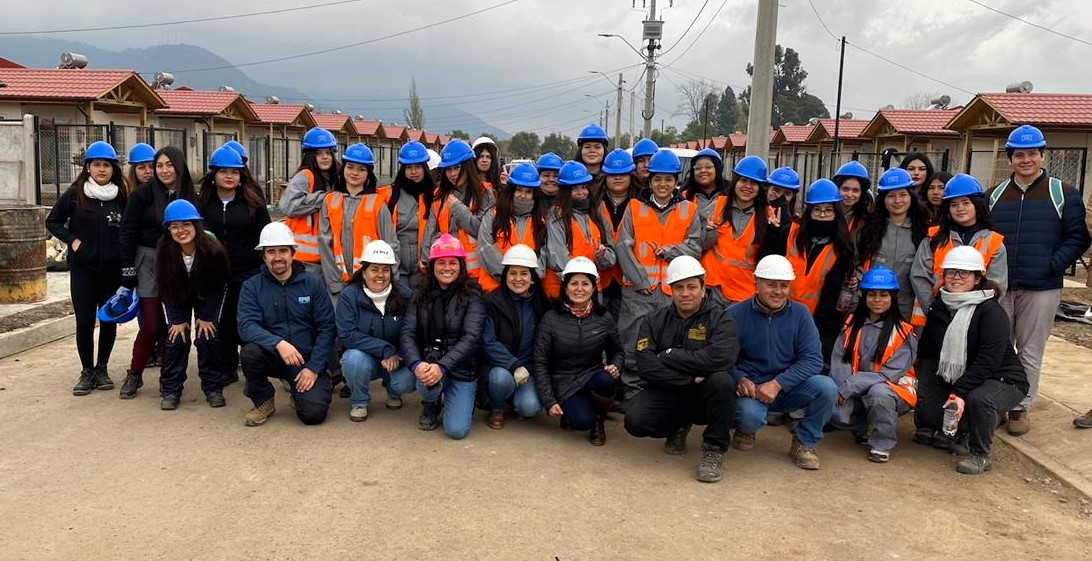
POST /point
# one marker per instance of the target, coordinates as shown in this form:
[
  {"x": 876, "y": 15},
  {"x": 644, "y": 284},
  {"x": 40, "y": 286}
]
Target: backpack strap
[
  {"x": 1057, "y": 195},
  {"x": 997, "y": 191}
]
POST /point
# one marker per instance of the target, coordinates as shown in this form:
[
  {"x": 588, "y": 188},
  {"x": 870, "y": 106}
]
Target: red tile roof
[
  {"x": 719, "y": 142},
  {"x": 68, "y": 84},
  {"x": 415, "y": 134},
  {"x": 796, "y": 133},
  {"x": 281, "y": 114},
  {"x": 848, "y": 129},
  {"x": 365, "y": 127},
  {"x": 739, "y": 139},
  {"x": 331, "y": 121},
  {"x": 444, "y": 139},
  {"x": 924, "y": 122},
  {"x": 391, "y": 132},
  {"x": 431, "y": 137},
  {"x": 1042, "y": 109},
  {"x": 5, "y": 63},
  {"x": 190, "y": 102}
]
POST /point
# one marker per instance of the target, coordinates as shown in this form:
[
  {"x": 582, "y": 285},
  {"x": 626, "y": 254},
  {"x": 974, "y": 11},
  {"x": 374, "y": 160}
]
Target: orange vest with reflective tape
[
  {"x": 649, "y": 233},
  {"x": 470, "y": 243},
  {"x": 365, "y": 227},
  {"x": 730, "y": 263},
  {"x": 908, "y": 384},
  {"x": 614, "y": 272},
  {"x": 387, "y": 191},
  {"x": 305, "y": 229},
  {"x": 583, "y": 246},
  {"x": 503, "y": 243},
  {"x": 805, "y": 289},
  {"x": 987, "y": 245}
]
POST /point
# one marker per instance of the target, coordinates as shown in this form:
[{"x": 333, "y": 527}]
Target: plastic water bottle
[{"x": 951, "y": 424}]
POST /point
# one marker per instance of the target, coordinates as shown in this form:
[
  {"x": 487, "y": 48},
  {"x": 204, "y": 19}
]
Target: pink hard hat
[{"x": 446, "y": 246}]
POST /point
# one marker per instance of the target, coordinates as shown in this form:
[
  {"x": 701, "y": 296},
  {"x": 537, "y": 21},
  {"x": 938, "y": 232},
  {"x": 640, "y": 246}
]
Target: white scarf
[
  {"x": 379, "y": 298},
  {"x": 106, "y": 192},
  {"x": 953, "y": 353}
]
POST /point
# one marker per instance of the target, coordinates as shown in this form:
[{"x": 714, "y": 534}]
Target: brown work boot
[
  {"x": 804, "y": 457},
  {"x": 1084, "y": 421},
  {"x": 1019, "y": 423},
  {"x": 742, "y": 441},
  {"x": 496, "y": 420},
  {"x": 598, "y": 434},
  {"x": 260, "y": 414}
]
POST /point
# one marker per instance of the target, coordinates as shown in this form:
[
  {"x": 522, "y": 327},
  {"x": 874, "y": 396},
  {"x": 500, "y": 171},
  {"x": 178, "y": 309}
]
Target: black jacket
[
  {"x": 97, "y": 227},
  {"x": 142, "y": 222},
  {"x": 457, "y": 348},
  {"x": 672, "y": 350},
  {"x": 568, "y": 350},
  {"x": 238, "y": 231},
  {"x": 508, "y": 327},
  {"x": 989, "y": 346}
]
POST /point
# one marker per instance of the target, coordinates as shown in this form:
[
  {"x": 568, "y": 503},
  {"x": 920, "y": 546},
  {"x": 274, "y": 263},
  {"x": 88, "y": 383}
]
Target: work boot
[
  {"x": 804, "y": 457},
  {"x": 130, "y": 385},
  {"x": 1019, "y": 423},
  {"x": 496, "y": 420},
  {"x": 169, "y": 402},
  {"x": 598, "y": 433},
  {"x": 961, "y": 445},
  {"x": 924, "y": 435},
  {"x": 711, "y": 464},
  {"x": 215, "y": 399},
  {"x": 974, "y": 465},
  {"x": 675, "y": 445},
  {"x": 942, "y": 441},
  {"x": 257, "y": 416},
  {"x": 430, "y": 415},
  {"x": 86, "y": 383},
  {"x": 742, "y": 441},
  {"x": 1084, "y": 421},
  {"x": 102, "y": 379}
]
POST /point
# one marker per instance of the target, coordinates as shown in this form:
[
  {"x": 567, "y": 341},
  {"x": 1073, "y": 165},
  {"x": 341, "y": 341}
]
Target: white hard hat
[
  {"x": 964, "y": 258},
  {"x": 683, "y": 267},
  {"x": 276, "y": 234},
  {"x": 483, "y": 140},
  {"x": 433, "y": 159},
  {"x": 378, "y": 252},
  {"x": 580, "y": 265},
  {"x": 775, "y": 267},
  {"x": 521, "y": 255}
]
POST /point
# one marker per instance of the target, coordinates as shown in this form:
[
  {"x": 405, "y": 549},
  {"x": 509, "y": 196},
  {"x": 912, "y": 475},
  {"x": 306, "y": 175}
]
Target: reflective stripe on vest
[
  {"x": 649, "y": 233},
  {"x": 730, "y": 263},
  {"x": 807, "y": 286},
  {"x": 527, "y": 238},
  {"x": 305, "y": 229},
  {"x": 907, "y": 388},
  {"x": 613, "y": 273},
  {"x": 584, "y": 245},
  {"x": 987, "y": 245},
  {"x": 387, "y": 191},
  {"x": 365, "y": 228}
]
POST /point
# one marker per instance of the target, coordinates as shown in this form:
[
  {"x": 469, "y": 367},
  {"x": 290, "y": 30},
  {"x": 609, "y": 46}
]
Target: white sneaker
[
  {"x": 358, "y": 414},
  {"x": 394, "y": 402}
]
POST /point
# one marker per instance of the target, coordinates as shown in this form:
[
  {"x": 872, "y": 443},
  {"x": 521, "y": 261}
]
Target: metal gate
[
  {"x": 62, "y": 148},
  {"x": 1067, "y": 164},
  {"x": 210, "y": 141}
]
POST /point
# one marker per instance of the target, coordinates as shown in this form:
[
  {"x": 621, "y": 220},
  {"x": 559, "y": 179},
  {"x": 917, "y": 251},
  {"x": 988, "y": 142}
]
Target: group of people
[{"x": 581, "y": 286}]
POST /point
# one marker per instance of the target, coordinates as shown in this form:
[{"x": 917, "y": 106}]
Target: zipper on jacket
[{"x": 1019, "y": 223}]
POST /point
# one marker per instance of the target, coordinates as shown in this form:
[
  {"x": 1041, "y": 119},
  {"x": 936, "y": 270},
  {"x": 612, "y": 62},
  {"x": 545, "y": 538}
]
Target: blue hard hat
[
  {"x": 100, "y": 150},
  {"x": 708, "y": 153},
  {"x": 822, "y": 191},
  {"x": 879, "y": 278},
  {"x": 524, "y": 175},
  {"x": 854, "y": 169},
  {"x": 181, "y": 210},
  {"x": 786, "y": 178},
  {"x": 120, "y": 308},
  {"x": 456, "y": 152},
  {"x": 592, "y": 133},
  {"x": 645, "y": 147},
  {"x": 751, "y": 167},
  {"x": 238, "y": 147},
  {"x": 962, "y": 185},
  {"x": 618, "y": 162},
  {"x": 318, "y": 138},
  {"x": 1025, "y": 136},
  {"x": 141, "y": 153},
  {"x": 664, "y": 161},
  {"x": 894, "y": 178},
  {"x": 549, "y": 161},
  {"x": 225, "y": 157},
  {"x": 573, "y": 173},
  {"x": 359, "y": 153},
  {"x": 413, "y": 152}
]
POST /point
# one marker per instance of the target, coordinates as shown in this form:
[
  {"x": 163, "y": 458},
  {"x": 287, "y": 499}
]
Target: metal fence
[
  {"x": 1067, "y": 164},
  {"x": 210, "y": 141}
]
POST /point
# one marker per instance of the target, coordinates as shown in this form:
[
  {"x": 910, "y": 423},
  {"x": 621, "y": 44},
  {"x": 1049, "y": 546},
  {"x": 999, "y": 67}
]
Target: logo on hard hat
[{"x": 1027, "y": 137}]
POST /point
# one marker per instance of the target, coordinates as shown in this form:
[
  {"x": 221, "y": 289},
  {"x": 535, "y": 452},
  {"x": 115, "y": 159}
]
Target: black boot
[
  {"x": 132, "y": 383},
  {"x": 598, "y": 434},
  {"x": 430, "y": 415},
  {"x": 86, "y": 383},
  {"x": 102, "y": 379}
]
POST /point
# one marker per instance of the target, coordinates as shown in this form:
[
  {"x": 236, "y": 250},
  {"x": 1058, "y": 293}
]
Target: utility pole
[
  {"x": 618, "y": 115},
  {"x": 632, "y": 104},
  {"x": 606, "y": 115},
  {"x": 834, "y": 148},
  {"x": 653, "y": 32},
  {"x": 758, "y": 122}
]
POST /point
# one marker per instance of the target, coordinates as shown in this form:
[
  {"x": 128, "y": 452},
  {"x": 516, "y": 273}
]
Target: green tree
[
  {"x": 558, "y": 144},
  {"x": 791, "y": 100},
  {"x": 726, "y": 117},
  {"x": 523, "y": 144},
  {"x": 459, "y": 133},
  {"x": 414, "y": 114},
  {"x": 668, "y": 136}
]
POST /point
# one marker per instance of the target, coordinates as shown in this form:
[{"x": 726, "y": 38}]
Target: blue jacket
[
  {"x": 783, "y": 346},
  {"x": 298, "y": 311},
  {"x": 1040, "y": 246},
  {"x": 360, "y": 325}
]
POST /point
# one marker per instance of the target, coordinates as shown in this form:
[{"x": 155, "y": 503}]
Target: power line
[
  {"x": 179, "y": 22},
  {"x": 688, "y": 28},
  {"x": 702, "y": 32},
  {"x": 1033, "y": 24},
  {"x": 908, "y": 69},
  {"x": 829, "y": 32}
]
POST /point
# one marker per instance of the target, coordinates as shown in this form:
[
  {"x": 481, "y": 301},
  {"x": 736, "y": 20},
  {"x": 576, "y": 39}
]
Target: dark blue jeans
[
  {"x": 579, "y": 409},
  {"x": 260, "y": 364},
  {"x": 815, "y": 396},
  {"x": 177, "y": 357}
]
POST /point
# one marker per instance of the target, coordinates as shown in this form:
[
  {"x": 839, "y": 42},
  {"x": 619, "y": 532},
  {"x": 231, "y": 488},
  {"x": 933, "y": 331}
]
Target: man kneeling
[{"x": 685, "y": 352}]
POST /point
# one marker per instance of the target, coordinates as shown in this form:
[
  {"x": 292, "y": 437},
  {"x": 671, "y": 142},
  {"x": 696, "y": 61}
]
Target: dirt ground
[
  {"x": 1073, "y": 331},
  {"x": 29, "y": 317},
  {"x": 99, "y": 478}
]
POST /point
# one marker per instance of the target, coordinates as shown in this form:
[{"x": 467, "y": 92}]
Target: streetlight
[
  {"x": 606, "y": 110},
  {"x": 628, "y": 44},
  {"x": 652, "y": 34}
]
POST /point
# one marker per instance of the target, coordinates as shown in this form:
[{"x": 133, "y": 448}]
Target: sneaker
[
  {"x": 394, "y": 402},
  {"x": 878, "y": 456},
  {"x": 1084, "y": 421},
  {"x": 1019, "y": 423},
  {"x": 974, "y": 465},
  {"x": 711, "y": 465},
  {"x": 961, "y": 446},
  {"x": 804, "y": 457},
  {"x": 430, "y": 416},
  {"x": 742, "y": 441},
  {"x": 102, "y": 379},
  {"x": 675, "y": 445},
  {"x": 215, "y": 399},
  {"x": 496, "y": 420},
  {"x": 130, "y": 385},
  {"x": 924, "y": 436},
  {"x": 169, "y": 403},
  {"x": 86, "y": 383},
  {"x": 358, "y": 414},
  {"x": 257, "y": 416}
]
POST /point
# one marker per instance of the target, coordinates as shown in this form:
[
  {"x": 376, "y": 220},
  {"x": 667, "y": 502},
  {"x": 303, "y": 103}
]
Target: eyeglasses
[
  {"x": 179, "y": 226},
  {"x": 957, "y": 274},
  {"x": 817, "y": 212}
]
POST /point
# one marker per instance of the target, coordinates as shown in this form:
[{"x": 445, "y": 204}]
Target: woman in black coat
[
  {"x": 570, "y": 376},
  {"x": 966, "y": 352}
]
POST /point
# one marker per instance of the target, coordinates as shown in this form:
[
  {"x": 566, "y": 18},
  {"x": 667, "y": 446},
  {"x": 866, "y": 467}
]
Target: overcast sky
[{"x": 553, "y": 43}]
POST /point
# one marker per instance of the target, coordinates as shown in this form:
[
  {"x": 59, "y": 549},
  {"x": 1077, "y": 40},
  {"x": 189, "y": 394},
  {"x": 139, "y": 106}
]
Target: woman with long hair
[
  {"x": 305, "y": 195},
  {"x": 409, "y": 199},
  {"x": 574, "y": 230},
  {"x": 487, "y": 162},
  {"x": 234, "y": 210},
  {"x": 642, "y": 152},
  {"x": 854, "y": 184},
  {"x": 441, "y": 337},
  {"x": 893, "y": 231},
  {"x": 705, "y": 183},
  {"x": 620, "y": 186},
  {"x": 574, "y": 383},
  {"x": 192, "y": 276},
  {"x": 872, "y": 363},
  {"x": 591, "y": 148},
  {"x": 519, "y": 218},
  {"x": 966, "y": 361},
  {"x": 920, "y": 169},
  {"x": 548, "y": 165},
  {"x": 370, "y": 315},
  {"x": 461, "y": 202},
  {"x": 141, "y": 166},
  {"x": 141, "y": 229},
  {"x": 932, "y": 195},
  {"x": 87, "y": 217},
  {"x": 782, "y": 186}
]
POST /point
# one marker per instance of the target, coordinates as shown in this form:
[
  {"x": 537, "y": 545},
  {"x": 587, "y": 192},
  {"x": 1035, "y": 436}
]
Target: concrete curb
[
  {"x": 1081, "y": 482},
  {"x": 15, "y": 342}
]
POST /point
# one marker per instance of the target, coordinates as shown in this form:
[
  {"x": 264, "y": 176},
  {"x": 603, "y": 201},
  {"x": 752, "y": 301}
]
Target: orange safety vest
[
  {"x": 470, "y": 243},
  {"x": 386, "y": 191},
  {"x": 987, "y": 245},
  {"x": 305, "y": 229},
  {"x": 649, "y": 233},
  {"x": 365, "y": 227},
  {"x": 614, "y": 272},
  {"x": 583, "y": 246},
  {"x": 908, "y": 384},
  {"x": 807, "y": 286},
  {"x": 527, "y": 238},
  {"x": 730, "y": 263}
]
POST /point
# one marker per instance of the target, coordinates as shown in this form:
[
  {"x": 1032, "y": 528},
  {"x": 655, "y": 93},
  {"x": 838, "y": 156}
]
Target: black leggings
[{"x": 90, "y": 290}]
